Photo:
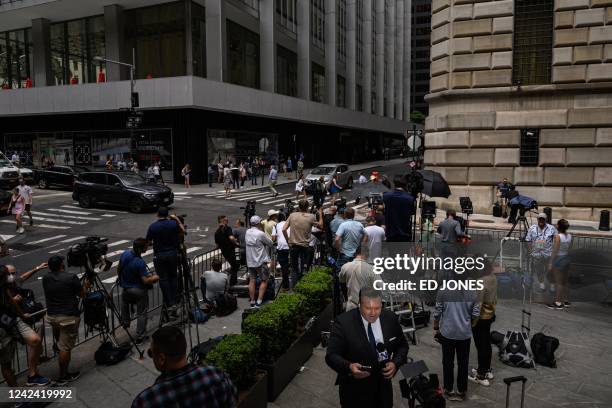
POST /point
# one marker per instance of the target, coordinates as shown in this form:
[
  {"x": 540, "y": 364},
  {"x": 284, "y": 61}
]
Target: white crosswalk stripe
[
  {"x": 37, "y": 225},
  {"x": 279, "y": 198},
  {"x": 40, "y": 241},
  {"x": 69, "y": 211},
  {"x": 94, "y": 209},
  {"x": 62, "y": 221},
  {"x": 72, "y": 239},
  {"x": 7, "y": 237},
  {"x": 76, "y": 217},
  {"x": 123, "y": 241}
]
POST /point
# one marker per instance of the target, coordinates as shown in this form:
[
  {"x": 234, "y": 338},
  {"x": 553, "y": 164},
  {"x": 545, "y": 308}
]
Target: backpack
[
  {"x": 94, "y": 310},
  {"x": 225, "y": 304},
  {"x": 544, "y": 348},
  {"x": 515, "y": 350},
  {"x": 424, "y": 390},
  {"x": 107, "y": 354},
  {"x": 197, "y": 315},
  {"x": 198, "y": 353},
  {"x": 30, "y": 306}
]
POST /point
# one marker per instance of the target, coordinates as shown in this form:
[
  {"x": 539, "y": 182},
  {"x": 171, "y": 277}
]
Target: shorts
[
  {"x": 25, "y": 330},
  {"x": 262, "y": 271},
  {"x": 7, "y": 351},
  {"x": 68, "y": 330},
  {"x": 28, "y": 207},
  {"x": 562, "y": 263}
]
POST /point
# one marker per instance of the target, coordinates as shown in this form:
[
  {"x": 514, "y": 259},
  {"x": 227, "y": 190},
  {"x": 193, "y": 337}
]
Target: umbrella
[{"x": 434, "y": 184}]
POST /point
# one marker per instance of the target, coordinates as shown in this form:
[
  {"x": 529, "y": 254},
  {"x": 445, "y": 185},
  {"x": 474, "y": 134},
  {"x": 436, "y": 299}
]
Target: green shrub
[
  {"x": 277, "y": 325},
  {"x": 236, "y": 355},
  {"x": 316, "y": 287}
]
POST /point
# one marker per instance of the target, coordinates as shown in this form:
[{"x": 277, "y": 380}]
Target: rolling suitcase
[
  {"x": 497, "y": 210},
  {"x": 509, "y": 382}
]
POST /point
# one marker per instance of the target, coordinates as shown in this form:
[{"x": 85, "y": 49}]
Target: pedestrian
[
  {"x": 150, "y": 174},
  {"x": 165, "y": 235},
  {"x": 362, "y": 179},
  {"x": 134, "y": 278},
  {"x": 301, "y": 223},
  {"x": 157, "y": 173},
  {"x": 541, "y": 237},
  {"x": 238, "y": 231},
  {"x": 135, "y": 169},
  {"x": 109, "y": 163},
  {"x": 349, "y": 237},
  {"x": 399, "y": 209},
  {"x": 300, "y": 188},
  {"x": 258, "y": 246},
  {"x": 365, "y": 369},
  {"x": 318, "y": 195},
  {"x": 357, "y": 275},
  {"x": 560, "y": 264},
  {"x": 282, "y": 250},
  {"x": 487, "y": 297},
  {"x": 334, "y": 189},
  {"x": 270, "y": 223},
  {"x": 220, "y": 172},
  {"x": 183, "y": 384},
  {"x": 262, "y": 170},
  {"x": 235, "y": 177},
  {"x": 227, "y": 181},
  {"x": 376, "y": 236},
  {"x": 243, "y": 174},
  {"x": 450, "y": 231},
  {"x": 15, "y": 158},
  {"x": 26, "y": 192},
  {"x": 272, "y": 180},
  {"x": 8, "y": 316},
  {"x": 186, "y": 173},
  {"x": 213, "y": 282},
  {"x": 300, "y": 167},
  {"x": 62, "y": 292},
  {"x": 289, "y": 167},
  {"x": 16, "y": 207},
  {"x": 211, "y": 174},
  {"x": 454, "y": 314},
  {"x": 27, "y": 330},
  {"x": 254, "y": 172},
  {"x": 227, "y": 243}
]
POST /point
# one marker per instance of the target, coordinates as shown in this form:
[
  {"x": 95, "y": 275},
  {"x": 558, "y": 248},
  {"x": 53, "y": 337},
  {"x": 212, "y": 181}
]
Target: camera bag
[
  {"x": 544, "y": 348},
  {"x": 108, "y": 354},
  {"x": 94, "y": 310}
]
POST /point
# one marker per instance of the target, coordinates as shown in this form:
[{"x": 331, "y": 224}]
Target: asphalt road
[{"x": 59, "y": 222}]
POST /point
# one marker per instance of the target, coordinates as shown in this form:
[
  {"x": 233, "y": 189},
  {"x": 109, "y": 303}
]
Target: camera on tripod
[
  {"x": 374, "y": 200},
  {"x": 288, "y": 208},
  {"x": 249, "y": 210},
  {"x": 88, "y": 254},
  {"x": 340, "y": 203}
]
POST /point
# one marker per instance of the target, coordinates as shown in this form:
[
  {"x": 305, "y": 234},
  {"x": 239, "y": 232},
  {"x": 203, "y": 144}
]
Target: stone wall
[{"x": 476, "y": 114}]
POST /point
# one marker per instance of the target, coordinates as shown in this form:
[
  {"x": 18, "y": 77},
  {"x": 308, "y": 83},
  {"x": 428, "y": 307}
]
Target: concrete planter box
[
  {"x": 282, "y": 371},
  {"x": 257, "y": 395}
]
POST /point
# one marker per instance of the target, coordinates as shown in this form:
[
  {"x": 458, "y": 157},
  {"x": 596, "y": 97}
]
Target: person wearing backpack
[
  {"x": 481, "y": 331},
  {"x": 26, "y": 330},
  {"x": 559, "y": 266},
  {"x": 134, "y": 278}
]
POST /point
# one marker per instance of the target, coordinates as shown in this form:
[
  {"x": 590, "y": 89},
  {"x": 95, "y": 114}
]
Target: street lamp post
[{"x": 133, "y": 96}]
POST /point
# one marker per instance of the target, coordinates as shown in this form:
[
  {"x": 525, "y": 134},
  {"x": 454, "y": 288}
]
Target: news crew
[
  {"x": 399, "y": 209},
  {"x": 366, "y": 348}
]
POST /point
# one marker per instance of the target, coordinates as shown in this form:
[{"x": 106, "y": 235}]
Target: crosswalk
[{"x": 66, "y": 216}]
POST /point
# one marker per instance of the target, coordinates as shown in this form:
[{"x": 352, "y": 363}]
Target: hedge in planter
[
  {"x": 316, "y": 287},
  {"x": 236, "y": 355},
  {"x": 277, "y": 325}
]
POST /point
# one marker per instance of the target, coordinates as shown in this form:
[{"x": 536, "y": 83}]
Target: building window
[
  {"x": 341, "y": 29},
  {"x": 533, "y": 33},
  {"x": 317, "y": 23},
  {"x": 373, "y": 105},
  {"x": 252, "y": 4},
  {"x": 74, "y": 44},
  {"x": 243, "y": 55},
  {"x": 198, "y": 33},
  {"x": 359, "y": 98},
  {"x": 286, "y": 71},
  {"x": 157, "y": 33},
  {"x": 318, "y": 83},
  {"x": 286, "y": 13},
  {"x": 340, "y": 92},
  {"x": 530, "y": 147},
  {"x": 359, "y": 39},
  {"x": 15, "y": 58}
]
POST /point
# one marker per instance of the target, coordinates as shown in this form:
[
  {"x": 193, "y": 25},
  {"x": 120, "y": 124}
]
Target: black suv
[{"x": 123, "y": 189}]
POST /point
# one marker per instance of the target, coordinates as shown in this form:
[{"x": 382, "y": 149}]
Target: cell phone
[{"x": 366, "y": 368}]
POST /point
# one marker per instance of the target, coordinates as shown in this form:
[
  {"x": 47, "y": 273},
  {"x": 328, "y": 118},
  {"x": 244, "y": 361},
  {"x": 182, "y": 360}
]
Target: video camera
[
  {"x": 340, "y": 203},
  {"x": 288, "y": 208},
  {"x": 249, "y": 210},
  {"x": 88, "y": 254},
  {"x": 374, "y": 200}
]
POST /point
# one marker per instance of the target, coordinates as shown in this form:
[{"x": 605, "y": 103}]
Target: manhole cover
[{"x": 484, "y": 221}]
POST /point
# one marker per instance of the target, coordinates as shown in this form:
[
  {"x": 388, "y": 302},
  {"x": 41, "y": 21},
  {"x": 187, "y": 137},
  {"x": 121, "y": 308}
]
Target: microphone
[{"x": 383, "y": 354}]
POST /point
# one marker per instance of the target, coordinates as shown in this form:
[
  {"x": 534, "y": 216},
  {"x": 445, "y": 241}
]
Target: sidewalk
[{"x": 198, "y": 189}]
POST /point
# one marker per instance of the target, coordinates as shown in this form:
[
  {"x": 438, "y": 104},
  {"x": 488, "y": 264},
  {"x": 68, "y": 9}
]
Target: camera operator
[
  {"x": 27, "y": 330},
  {"x": 134, "y": 277},
  {"x": 282, "y": 250},
  {"x": 62, "y": 293},
  {"x": 301, "y": 223},
  {"x": 165, "y": 234},
  {"x": 451, "y": 231},
  {"x": 541, "y": 236},
  {"x": 270, "y": 223},
  {"x": 258, "y": 245},
  {"x": 514, "y": 207},
  {"x": 238, "y": 231},
  {"x": 227, "y": 243},
  {"x": 318, "y": 194},
  {"x": 502, "y": 193},
  {"x": 183, "y": 384},
  {"x": 399, "y": 209},
  {"x": 380, "y": 216}
]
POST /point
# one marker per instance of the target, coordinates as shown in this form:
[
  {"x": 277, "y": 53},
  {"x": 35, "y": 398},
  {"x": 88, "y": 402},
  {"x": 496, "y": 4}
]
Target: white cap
[
  {"x": 255, "y": 220},
  {"x": 272, "y": 212},
  {"x": 542, "y": 215}
]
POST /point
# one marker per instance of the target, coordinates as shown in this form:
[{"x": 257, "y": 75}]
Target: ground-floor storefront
[{"x": 176, "y": 137}]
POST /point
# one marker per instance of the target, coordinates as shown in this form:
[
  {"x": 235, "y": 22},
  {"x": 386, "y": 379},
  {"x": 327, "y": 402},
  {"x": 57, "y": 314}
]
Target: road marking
[
  {"x": 181, "y": 193},
  {"x": 123, "y": 241},
  {"x": 277, "y": 200},
  {"x": 94, "y": 209},
  {"x": 52, "y": 195},
  {"x": 112, "y": 279},
  {"x": 67, "y": 216},
  {"x": 62, "y": 221},
  {"x": 108, "y": 215},
  {"x": 71, "y": 240},
  {"x": 361, "y": 205},
  {"x": 69, "y": 211},
  {"x": 37, "y": 225},
  {"x": 46, "y": 239},
  {"x": 7, "y": 237}
]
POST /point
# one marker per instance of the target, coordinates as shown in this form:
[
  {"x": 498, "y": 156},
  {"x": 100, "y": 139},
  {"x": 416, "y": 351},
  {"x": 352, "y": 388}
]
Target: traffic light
[{"x": 135, "y": 100}]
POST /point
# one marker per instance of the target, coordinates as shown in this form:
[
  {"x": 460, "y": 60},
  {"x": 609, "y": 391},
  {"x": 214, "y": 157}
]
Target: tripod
[
  {"x": 97, "y": 286},
  {"x": 521, "y": 225}
]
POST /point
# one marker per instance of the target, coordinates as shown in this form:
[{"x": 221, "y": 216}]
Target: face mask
[{"x": 10, "y": 278}]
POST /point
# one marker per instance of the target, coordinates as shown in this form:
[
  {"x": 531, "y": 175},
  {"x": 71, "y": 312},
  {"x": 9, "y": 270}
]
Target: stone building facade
[{"x": 523, "y": 89}]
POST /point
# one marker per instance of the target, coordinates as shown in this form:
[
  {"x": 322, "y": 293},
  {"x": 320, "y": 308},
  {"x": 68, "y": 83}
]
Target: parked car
[
  {"x": 61, "y": 176},
  {"x": 123, "y": 189},
  {"x": 344, "y": 177},
  {"x": 9, "y": 173}
]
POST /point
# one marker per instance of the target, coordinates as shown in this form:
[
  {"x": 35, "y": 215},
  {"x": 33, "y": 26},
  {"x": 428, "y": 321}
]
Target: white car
[
  {"x": 343, "y": 174},
  {"x": 9, "y": 173}
]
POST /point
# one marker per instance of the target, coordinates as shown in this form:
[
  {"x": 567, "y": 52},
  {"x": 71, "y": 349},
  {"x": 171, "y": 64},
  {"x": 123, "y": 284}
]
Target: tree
[{"x": 417, "y": 117}]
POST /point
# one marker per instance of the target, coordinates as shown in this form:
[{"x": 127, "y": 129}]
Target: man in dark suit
[{"x": 366, "y": 348}]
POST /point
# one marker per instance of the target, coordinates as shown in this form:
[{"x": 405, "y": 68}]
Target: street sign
[
  {"x": 416, "y": 144},
  {"x": 134, "y": 119}
]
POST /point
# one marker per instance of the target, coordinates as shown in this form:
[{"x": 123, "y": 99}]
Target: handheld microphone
[{"x": 383, "y": 354}]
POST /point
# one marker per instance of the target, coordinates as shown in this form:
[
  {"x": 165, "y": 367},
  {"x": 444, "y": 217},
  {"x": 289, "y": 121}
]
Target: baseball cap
[
  {"x": 255, "y": 220},
  {"x": 542, "y": 215},
  {"x": 162, "y": 212},
  {"x": 272, "y": 212},
  {"x": 54, "y": 262}
]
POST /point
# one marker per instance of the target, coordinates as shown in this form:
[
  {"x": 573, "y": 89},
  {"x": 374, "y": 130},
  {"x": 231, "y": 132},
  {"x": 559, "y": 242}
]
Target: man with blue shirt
[
  {"x": 399, "y": 209},
  {"x": 349, "y": 236},
  {"x": 541, "y": 237},
  {"x": 165, "y": 234},
  {"x": 272, "y": 178},
  {"x": 134, "y": 276}
]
